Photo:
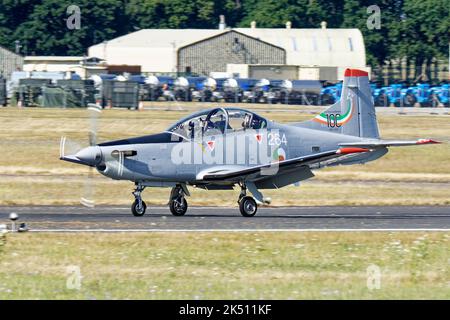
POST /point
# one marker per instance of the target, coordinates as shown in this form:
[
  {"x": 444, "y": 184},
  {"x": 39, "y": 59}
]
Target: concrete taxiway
[{"x": 119, "y": 218}]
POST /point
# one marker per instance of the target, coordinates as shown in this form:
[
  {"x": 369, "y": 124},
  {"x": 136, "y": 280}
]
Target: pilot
[
  {"x": 191, "y": 129},
  {"x": 246, "y": 122},
  {"x": 203, "y": 124}
]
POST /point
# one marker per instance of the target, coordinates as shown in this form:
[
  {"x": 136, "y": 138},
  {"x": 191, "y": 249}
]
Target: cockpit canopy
[{"x": 217, "y": 121}]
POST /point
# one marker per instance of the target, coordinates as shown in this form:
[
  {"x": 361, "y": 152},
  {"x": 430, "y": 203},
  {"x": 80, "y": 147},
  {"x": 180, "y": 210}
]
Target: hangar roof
[
  {"x": 322, "y": 46},
  {"x": 156, "y": 49},
  {"x": 163, "y": 37}
]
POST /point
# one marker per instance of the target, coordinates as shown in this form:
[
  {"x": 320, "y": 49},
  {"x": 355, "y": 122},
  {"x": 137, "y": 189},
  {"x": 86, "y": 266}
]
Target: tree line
[{"x": 416, "y": 30}]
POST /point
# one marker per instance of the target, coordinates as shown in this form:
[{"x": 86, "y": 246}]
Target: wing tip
[{"x": 428, "y": 141}]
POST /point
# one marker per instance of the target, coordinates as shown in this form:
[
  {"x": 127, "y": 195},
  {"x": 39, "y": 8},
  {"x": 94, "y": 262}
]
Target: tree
[
  {"x": 45, "y": 31},
  {"x": 302, "y": 13},
  {"x": 12, "y": 14},
  {"x": 181, "y": 13},
  {"x": 377, "y": 40},
  {"x": 422, "y": 33}
]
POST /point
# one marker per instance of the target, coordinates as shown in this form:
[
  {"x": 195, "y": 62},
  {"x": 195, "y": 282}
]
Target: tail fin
[{"x": 354, "y": 113}]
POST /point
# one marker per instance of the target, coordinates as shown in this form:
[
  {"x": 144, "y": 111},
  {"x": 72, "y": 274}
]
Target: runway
[{"x": 119, "y": 218}]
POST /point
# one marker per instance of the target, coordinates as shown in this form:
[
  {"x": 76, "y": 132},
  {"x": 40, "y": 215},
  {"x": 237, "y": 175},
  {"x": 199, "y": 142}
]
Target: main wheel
[
  {"x": 138, "y": 211},
  {"x": 178, "y": 207},
  {"x": 248, "y": 206},
  {"x": 409, "y": 100}
]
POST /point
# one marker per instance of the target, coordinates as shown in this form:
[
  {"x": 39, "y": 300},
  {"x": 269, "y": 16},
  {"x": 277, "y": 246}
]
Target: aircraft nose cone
[{"x": 89, "y": 155}]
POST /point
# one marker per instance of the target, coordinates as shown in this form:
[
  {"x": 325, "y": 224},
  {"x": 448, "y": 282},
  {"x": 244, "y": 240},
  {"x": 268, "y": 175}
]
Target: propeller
[
  {"x": 73, "y": 152},
  {"x": 88, "y": 191},
  {"x": 70, "y": 147}
]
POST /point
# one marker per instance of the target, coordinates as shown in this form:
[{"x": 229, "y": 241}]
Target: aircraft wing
[
  {"x": 388, "y": 143},
  {"x": 272, "y": 168}
]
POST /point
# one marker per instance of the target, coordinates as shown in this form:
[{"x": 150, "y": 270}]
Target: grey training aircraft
[{"x": 220, "y": 148}]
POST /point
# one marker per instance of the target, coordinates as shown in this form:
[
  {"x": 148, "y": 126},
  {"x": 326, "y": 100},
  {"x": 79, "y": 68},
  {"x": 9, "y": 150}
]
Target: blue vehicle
[
  {"x": 388, "y": 96},
  {"x": 440, "y": 96},
  {"x": 202, "y": 88},
  {"x": 137, "y": 78},
  {"x": 237, "y": 89},
  {"x": 259, "y": 92},
  {"x": 159, "y": 86},
  {"x": 417, "y": 94},
  {"x": 330, "y": 94}
]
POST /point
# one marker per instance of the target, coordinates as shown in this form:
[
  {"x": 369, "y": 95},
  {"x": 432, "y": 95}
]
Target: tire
[
  {"x": 409, "y": 100},
  {"x": 248, "y": 206},
  {"x": 176, "y": 209},
  {"x": 138, "y": 212},
  {"x": 382, "y": 101}
]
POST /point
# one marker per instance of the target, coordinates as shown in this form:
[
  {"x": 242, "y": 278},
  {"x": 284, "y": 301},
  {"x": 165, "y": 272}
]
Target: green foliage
[
  {"x": 302, "y": 13},
  {"x": 416, "y": 29},
  {"x": 423, "y": 30}
]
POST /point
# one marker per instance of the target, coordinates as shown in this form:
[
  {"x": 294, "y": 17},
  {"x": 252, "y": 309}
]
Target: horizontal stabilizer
[{"x": 388, "y": 143}]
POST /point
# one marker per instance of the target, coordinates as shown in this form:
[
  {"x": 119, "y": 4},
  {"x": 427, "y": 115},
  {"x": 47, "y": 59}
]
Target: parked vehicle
[
  {"x": 159, "y": 86},
  {"x": 330, "y": 94},
  {"x": 440, "y": 96},
  {"x": 388, "y": 96}
]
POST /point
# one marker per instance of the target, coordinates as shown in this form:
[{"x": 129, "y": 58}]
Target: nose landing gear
[{"x": 138, "y": 207}]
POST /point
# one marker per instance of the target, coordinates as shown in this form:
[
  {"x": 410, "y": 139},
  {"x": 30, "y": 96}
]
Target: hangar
[
  {"x": 201, "y": 51},
  {"x": 165, "y": 51}
]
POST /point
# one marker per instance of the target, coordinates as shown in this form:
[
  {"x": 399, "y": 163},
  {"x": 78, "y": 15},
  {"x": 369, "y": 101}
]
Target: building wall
[
  {"x": 9, "y": 62},
  {"x": 213, "y": 54},
  {"x": 50, "y": 66},
  {"x": 273, "y": 72}
]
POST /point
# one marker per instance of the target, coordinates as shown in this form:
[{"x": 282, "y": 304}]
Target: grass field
[
  {"x": 286, "y": 265},
  {"x": 30, "y": 172}
]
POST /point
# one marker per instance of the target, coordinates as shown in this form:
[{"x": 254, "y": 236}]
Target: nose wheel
[{"x": 138, "y": 207}]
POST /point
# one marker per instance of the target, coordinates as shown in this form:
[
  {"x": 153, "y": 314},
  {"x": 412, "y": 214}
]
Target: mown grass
[
  {"x": 289, "y": 265},
  {"x": 29, "y": 166}
]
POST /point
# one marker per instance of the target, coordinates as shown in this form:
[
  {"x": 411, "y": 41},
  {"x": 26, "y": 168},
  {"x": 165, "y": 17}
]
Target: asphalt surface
[{"x": 61, "y": 218}]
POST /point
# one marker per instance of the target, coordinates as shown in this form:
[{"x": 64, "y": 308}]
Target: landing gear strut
[
  {"x": 138, "y": 207},
  {"x": 177, "y": 202},
  {"x": 247, "y": 205}
]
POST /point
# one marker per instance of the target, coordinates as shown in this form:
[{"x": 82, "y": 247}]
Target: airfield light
[{"x": 13, "y": 217}]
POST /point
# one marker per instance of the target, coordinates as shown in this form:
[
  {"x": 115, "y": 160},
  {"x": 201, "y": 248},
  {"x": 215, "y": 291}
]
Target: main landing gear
[
  {"x": 177, "y": 201},
  {"x": 178, "y": 204},
  {"x": 247, "y": 204}
]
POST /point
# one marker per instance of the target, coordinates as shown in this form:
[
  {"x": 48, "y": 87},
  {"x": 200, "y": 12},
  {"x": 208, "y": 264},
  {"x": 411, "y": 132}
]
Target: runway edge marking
[{"x": 236, "y": 230}]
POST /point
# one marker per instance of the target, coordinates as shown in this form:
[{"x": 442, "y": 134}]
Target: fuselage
[{"x": 169, "y": 158}]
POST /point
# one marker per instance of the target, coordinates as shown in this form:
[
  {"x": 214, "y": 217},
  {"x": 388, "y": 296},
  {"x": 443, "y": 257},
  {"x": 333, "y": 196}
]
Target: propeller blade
[
  {"x": 68, "y": 146},
  {"x": 94, "y": 113},
  {"x": 87, "y": 199},
  {"x": 62, "y": 146}
]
